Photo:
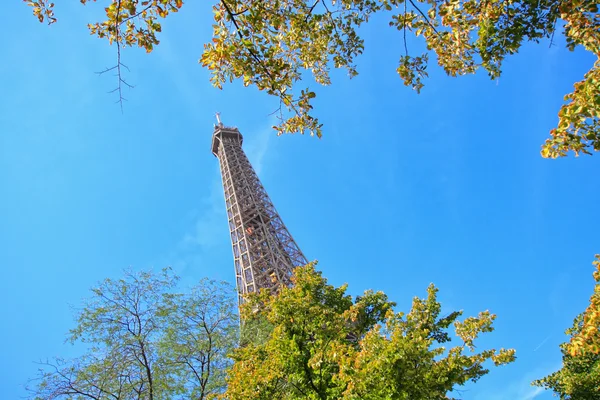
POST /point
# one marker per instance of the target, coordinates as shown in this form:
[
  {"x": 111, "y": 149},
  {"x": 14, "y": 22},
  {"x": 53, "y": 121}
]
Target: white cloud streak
[
  {"x": 209, "y": 227},
  {"x": 257, "y": 148},
  {"x": 533, "y": 393},
  {"x": 208, "y": 217},
  {"x": 541, "y": 343},
  {"x": 520, "y": 389},
  {"x": 212, "y": 212}
]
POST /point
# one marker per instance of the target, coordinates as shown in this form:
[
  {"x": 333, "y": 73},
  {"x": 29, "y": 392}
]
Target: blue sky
[{"x": 403, "y": 190}]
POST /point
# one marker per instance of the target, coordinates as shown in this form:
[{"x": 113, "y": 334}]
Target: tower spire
[{"x": 264, "y": 252}]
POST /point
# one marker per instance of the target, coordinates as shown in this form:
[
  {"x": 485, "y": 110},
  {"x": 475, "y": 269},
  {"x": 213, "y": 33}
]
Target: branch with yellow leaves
[{"x": 42, "y": 10}]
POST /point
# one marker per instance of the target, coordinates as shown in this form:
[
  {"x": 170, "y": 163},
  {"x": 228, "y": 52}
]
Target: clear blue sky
[{"x": 403, "y": 190}]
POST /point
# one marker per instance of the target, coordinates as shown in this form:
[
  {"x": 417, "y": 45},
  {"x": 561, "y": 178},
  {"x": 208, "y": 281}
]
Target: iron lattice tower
[{"x": 264, "y": 252}]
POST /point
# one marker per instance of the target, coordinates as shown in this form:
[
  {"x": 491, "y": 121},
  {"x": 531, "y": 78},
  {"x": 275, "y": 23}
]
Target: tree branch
[
  {"x": 259, "y": 60},
  {"x": 120, "y": 81},
  {"x": 311, "y": 10},
  {"x": 424, "y": 16},
  {"x": 404, "y": 31}
]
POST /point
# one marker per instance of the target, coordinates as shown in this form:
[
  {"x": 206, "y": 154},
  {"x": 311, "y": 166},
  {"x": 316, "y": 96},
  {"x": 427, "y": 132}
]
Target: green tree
[
  {"x": 322, "y": 344},
  {"x": 144, "y": 341},
  {"x": 587, "y": 338},
  {"x": 579, "y": 377},
  {"x": 273, "y": 44}
]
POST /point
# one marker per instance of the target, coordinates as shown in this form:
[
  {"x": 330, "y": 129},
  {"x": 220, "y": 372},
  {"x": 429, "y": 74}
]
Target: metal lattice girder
[{"x": 264, "y": 252}]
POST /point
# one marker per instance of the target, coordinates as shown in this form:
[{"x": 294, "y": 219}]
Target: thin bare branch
[{"x": 404, "y": 31}]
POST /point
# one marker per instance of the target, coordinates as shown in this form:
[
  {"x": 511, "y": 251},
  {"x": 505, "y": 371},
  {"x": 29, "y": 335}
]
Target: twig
[
  {"x": 118, "y": 33},
  {"x": 255, "y": 56},
  {"x": 404, "y": 31},
  {"x": 329, "y": 14},
  {"x": 136, "y": 15},
  {"x": 553, "y": 30},
  {"x": 239, "y": 32},
  {"x": 311, "y": 10},
  {"x": 106, "y": 70},
  {"x": 424, "y": 16},
  {"x": 239, "y": 13},
  {"x": 117, "y": 67}
]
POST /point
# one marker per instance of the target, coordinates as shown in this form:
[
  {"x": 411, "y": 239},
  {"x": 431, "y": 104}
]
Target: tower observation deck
[{"x": 264, "y": 252}]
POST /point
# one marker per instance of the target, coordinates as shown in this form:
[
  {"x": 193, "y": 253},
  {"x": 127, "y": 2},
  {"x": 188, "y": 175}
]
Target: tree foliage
[
  {"x": 322, "y": 344},
  {"x": 579, "y": 377},
  {"x": 587, "y": 338},
  {"x": 274, "y": 44},
  {"x": 146, "y": 342}
]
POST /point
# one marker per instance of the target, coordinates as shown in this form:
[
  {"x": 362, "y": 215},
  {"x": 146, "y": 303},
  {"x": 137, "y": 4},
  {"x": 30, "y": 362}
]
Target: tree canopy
[
  {"x": 587, "y": 337},
  {"x": 579, "y": 377},
  {"x": 273, "y": 44},
  {"x": 145, "y": 341},
  {"x": 320, "y": 343}
]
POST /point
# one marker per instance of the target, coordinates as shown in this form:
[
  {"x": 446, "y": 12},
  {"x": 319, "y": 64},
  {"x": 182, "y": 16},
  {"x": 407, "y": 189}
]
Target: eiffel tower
[{"x": 264, "y": 252}]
